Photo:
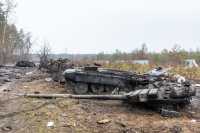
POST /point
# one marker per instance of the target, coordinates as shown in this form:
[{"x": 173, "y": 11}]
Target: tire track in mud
[{"x": 9, "y": 106}]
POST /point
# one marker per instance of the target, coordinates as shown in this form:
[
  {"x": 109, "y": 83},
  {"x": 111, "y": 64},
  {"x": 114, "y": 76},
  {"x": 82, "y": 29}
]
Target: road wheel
[
  {"x": 97, "y": 89},
  {"x": 69, "y": 86},
  {"x": 109, "y": 89},
  {"x": 81, "y": 88}
]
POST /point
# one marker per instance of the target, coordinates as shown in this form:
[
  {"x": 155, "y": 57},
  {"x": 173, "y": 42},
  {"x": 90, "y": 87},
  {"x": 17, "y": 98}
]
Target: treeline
[
  {"x": 175, "y": 56},
  {"x": 14, "y": 44}
]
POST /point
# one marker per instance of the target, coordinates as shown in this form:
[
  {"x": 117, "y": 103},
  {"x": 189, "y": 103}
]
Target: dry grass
[
  {"x": 130, "y": 67},
  {"x": 190, "y": 73}
]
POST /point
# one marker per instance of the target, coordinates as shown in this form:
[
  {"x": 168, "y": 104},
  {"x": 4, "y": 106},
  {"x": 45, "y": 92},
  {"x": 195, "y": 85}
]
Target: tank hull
[{"x": 102, "y": 80}]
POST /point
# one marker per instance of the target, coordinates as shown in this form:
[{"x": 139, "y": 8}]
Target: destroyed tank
[
  {"x": 24, "y": 63},
  {"x": 56, "y": 67},
  {"x": 166, "y": 99},
  {"x": 99, "y": 80}
]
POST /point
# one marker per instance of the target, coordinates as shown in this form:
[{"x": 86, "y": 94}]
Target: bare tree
[
  {"x": 14, "y": 44},
  {"x": 24, "y": 45},
  {"x": 8, "y": 7},
  {"x": 44, "y": 55}
]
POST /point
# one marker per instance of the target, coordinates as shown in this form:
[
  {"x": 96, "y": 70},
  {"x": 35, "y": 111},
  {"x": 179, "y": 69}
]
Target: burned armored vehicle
[
  {"x": 56, "y": 67},
  {"x": 24, "y": 63},
  {"x": 153, "y": 89},
  {"x": 99, "y": 80},
  {"x": 166, "y": 99}
]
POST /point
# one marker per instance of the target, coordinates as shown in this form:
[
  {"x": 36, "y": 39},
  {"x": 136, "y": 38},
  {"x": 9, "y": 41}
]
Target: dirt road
[{"x": 26, "y": 115}]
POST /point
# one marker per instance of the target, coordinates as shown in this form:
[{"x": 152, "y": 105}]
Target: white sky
[{"x": 92, "y": 26}]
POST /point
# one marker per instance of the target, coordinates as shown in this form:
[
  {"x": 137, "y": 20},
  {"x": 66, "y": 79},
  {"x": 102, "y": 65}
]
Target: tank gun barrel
[
  {"x": 162, "y": 95},
  {"x": 100, "y": 97},
  {"x": 97, "y": 97}
]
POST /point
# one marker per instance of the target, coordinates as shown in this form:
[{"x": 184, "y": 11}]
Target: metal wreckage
[
  {"x": 56, "y": 68},
  {"x": 154, "y": 89}
]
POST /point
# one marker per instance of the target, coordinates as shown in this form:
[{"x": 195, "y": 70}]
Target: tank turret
[{"x": 171, "y": 95}]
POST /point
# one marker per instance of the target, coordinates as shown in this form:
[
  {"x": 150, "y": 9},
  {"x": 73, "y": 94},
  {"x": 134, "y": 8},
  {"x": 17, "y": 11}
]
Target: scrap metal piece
[{"x": 169, "y": 113}]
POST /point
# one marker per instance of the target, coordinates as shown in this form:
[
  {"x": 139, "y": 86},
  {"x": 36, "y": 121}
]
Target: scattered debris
[
  {"x": 180, "y": 79},
  {"x": 29, "y": 73},
  {"x": 48, "y": 79},
  {"x": 64, "y": 115},
  {"x": 141, "y": 62},
  {"x": 193, "y": 121},
  {"x": 18, "y": 76},
  {"x": 9, "y": 74},
  {"x": 6, "y": 90},
  {"x": 122, "y": 124},
  {"x": 104, "y": 121},
  {"x": 169, "y": 113},
  {"x": 6, "y": 128},
  {"x": 159, "y": 71},
  {"x": 190, "y": 63},
  {"x": 176, "y": 129},
  {"x": 36, "y": 92},
  {"x": 50, "y": 124},
  {"x": 197, "y": 85},
  {"x": 25, "y": 86},
  {"x": 7, "y": 80}
]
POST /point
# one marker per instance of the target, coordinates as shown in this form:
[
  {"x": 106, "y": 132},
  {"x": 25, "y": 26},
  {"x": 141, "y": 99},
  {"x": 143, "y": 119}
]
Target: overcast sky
[{"x": 92, "y": 26}]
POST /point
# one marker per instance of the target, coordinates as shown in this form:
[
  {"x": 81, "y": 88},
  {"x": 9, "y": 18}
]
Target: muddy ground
[{"x": 27, "y": 115}]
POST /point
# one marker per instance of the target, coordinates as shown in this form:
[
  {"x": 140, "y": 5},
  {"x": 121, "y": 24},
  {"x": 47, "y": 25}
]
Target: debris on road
[
  {"x": 193, "y": 121},
  {"x": 122, "y": 124},
  {"x": 29, "y": 73},
  {"x": 48, "y": 79},
  {"x": 50, "y": 124},
  {"x": 104, "y": 121},
  {"x": 6, "y": 128},
  {"x": 169, "y": 113}
]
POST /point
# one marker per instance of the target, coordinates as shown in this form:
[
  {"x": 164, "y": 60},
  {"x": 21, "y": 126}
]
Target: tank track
[{"x": 88, "y": 88}]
